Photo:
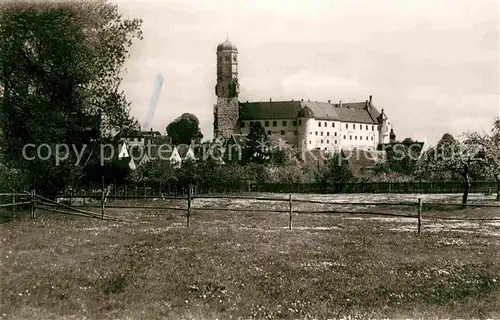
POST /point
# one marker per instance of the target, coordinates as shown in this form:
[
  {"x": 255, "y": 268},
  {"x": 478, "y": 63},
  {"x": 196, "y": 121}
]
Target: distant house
[
  {"x": 234, "y": 148},
  {"x": 138, "y": 154},
  {"x": 362, "y": 161},
  {"x": 139, "y": 137},
  {"x": 315, "y": 158}
]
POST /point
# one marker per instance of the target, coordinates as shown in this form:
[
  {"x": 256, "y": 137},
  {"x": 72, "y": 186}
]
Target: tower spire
[{"x": 227, "y": 35}]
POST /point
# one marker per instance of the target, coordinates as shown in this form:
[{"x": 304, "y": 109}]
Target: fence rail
[{"x": 42, "y": 203}]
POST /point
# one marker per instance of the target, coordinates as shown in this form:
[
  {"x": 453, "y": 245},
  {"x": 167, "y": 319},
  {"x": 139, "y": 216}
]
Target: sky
[{"x": 432, "y": 65}]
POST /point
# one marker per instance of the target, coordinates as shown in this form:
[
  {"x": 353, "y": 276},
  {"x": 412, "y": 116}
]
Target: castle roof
[
  {"x": 346, "y": 112},
  {"x": 269, "y": 110}
]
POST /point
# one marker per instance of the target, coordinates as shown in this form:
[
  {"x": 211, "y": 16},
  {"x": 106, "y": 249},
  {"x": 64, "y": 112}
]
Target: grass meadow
[{"x": 239, "y": 264}]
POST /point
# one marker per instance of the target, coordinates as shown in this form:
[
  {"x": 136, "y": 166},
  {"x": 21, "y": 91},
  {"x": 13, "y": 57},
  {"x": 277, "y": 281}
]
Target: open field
[{"x": 231, "y": 265}]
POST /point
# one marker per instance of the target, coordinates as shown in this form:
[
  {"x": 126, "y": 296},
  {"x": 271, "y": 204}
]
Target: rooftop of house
[
  {"x": 359, "y": 112},
  {"x": 363, "y": 159},
  {"x": 138, "y": 134}
]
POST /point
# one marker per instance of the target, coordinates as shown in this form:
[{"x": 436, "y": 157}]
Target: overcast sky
[{"x": 433, "y": 66}]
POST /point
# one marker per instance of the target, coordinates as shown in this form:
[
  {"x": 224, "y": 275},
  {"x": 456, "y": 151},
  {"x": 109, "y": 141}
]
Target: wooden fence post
[
  {"x": 102, "y": 199},
  {"x": 71, "y": 196},
  {"x": 13, "y": 203},
  {"x": 419, "y": 215},
  {"x": 189, "y": 205},
  {"x": 290, "y": 213},
  {"x": 32, "y": 199}
]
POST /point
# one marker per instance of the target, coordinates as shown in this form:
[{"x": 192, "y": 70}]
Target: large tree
[
  {"x": 257, "y": 147},
  {"x": 453, "y": 159},
  {"x": 401, "y": 157},
  {"x": 489, "y": 144},
  {"x": 185, "y": 130},
  {"x": 336, "y": 170},
  {"x": 60, "y": 72}
]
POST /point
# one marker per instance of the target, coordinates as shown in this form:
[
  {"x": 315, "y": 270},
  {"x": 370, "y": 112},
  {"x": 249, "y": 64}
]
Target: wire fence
[{"x": 158, "y": 188}]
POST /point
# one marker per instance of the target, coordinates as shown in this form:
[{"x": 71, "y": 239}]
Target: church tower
[{"x": 226, "y": 111}]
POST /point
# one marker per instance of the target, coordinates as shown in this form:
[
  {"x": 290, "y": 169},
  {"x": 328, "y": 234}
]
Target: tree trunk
[
  {"x": 498, "y": 190},
  {"x": 466, "y": 189},
  {"x": 497, "y": 177}
]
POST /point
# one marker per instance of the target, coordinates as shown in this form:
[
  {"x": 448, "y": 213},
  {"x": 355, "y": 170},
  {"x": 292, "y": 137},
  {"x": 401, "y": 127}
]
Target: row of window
[
  {"x": 350, "y": 137},
  {"x": 283, "y": 132},
  {"x": 346, "y": 126},
  {"x": 327, "y": 141},
  {"x": 284, "y": 123},
  {"x": 335, "y": 141},
  {"x": 335, "y": 134},
  {"x": 267, "y": 123},
  {"x": 327, "y": 133}
]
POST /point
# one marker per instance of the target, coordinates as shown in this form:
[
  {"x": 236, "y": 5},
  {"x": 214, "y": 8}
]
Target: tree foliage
[
  {"x": 335, "y": 170},
  {"x": 453, "y": 159},
  {"x": 60, "y": 71},
  {"x": 257, "y": 148},
  {"x": 401, "y": 158},
  {"x": 185, "y": 129}
]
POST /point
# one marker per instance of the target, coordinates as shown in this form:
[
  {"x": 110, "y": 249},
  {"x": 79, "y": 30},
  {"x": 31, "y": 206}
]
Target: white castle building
[{"x": 304, "y": 124}]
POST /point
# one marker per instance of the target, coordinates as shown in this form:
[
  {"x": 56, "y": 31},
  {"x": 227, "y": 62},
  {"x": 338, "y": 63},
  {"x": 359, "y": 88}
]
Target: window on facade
[
  {"x": 242, "y": 124},
  {"x": 310, "y": 141},
  {"x": 282, "y": 132},
  {"x": 300, "y": 122},
  {"x": 335, "y": 141},
  {"x": 366, "y": 137},
  {"x": 344, "y": 136},
  {"x": 319, "y": 124},
  {"x": 354, "y": 126},
  {"x": 327, "y": 141},
  {"x": 373, "y": 128},
  {"x": 321, "y": 133},
  {"x": 372, "y": 138},
  {"x": 360, "y": 127},
  {"x": 311, "y": 133},
  {"x": 347, "y": 126},
  {"x": 284, "y": 123},
  {"x": 350, "y": 137},
  {"x": 275, "y": 123},
  {"x": 316, "y": 132},
  {"x": 333, "y": 124},
  {"x": 266, "y": 123},
  {"x": 227, "y": 58},
  {"x": 328, "y": 133},
  {"x": 321, "y": 140},
  {"x": 366, "y": 127},
  {"x": 294, "y": 123},
  {"x": 335, "y": 133},
  {"x": 355, "y": 137},
  {"x": 326, "y": 124}
]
